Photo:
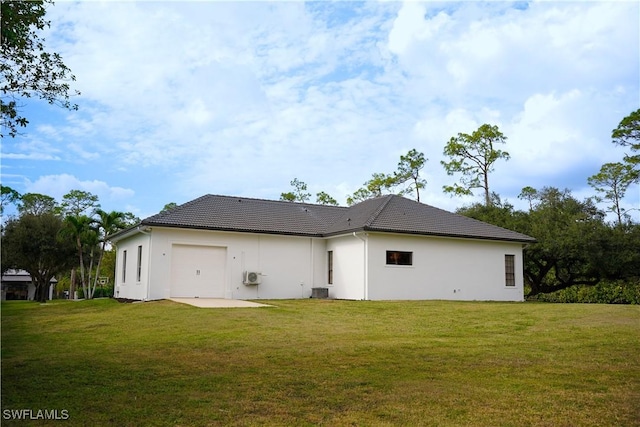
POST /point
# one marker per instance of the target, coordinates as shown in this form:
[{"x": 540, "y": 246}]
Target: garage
[{"x": 198, "y": 271}]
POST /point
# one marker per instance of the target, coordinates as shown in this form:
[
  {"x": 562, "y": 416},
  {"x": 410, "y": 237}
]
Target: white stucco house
[{"x": 386, "y": 248}]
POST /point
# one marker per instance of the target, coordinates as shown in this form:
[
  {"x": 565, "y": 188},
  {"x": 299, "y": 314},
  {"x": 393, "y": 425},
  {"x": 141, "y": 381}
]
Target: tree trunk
[
  {"x": 42, "y": 288},
  {"x": 72, "y": 286},
  {"x": 618, "y": 210},
  {"x": 88, "y": 294},
  {"x": 38, "y": 294},
  {"x": 95, "y": 280},
  {"x": 82, "y": 278},
  {"x": 487, "y": 196}
]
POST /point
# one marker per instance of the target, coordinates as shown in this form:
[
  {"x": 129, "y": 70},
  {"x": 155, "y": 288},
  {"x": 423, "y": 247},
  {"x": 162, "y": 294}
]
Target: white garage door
[{"x": 198, "y": 271}]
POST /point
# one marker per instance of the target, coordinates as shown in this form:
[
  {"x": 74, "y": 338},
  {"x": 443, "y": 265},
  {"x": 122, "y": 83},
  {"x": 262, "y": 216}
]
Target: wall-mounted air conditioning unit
[{"x": 251, "y": 278}]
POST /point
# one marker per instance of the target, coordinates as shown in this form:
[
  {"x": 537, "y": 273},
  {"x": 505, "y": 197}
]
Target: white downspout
[
  {"x": 116, "y": 280},
  {"x": 366, "y": 265}
]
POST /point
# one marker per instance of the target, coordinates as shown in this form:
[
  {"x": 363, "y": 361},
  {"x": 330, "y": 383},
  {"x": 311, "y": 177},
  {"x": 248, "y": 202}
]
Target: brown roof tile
[{"x": 389, "y": 213}]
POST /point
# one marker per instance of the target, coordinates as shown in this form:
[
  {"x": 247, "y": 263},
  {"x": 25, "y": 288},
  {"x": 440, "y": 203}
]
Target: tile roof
[
  {"x": 229, "y": 213},
  {"x": 390, "y": 213}
]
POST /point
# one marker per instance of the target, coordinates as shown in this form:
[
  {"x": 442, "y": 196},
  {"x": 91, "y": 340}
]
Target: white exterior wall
[
  {"x": 348, "y": 267},
  {"x": 290, "y": 265},
  {"x": 319, "y": 263},
  {"x": 129, "y": 287},
  {"x": 443, "y": 268}
]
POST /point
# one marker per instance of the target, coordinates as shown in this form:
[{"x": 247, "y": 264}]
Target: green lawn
[{"x": 323, "y": 362}]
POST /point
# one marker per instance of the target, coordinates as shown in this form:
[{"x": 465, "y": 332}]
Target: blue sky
[{"x": 181, "y": 99}]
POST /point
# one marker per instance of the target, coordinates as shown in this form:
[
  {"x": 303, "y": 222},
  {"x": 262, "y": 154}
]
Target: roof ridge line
[
  {"x": 378, "y": 211},
  {"x": 260, "y": 199}
]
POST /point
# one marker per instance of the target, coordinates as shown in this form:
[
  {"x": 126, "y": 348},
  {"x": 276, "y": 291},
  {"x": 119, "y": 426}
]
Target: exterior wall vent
[{"x": 322, "y": 293}]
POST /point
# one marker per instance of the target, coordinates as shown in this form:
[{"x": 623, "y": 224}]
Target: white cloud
[
  {"x": 30, "y": 156},
  {"x": 188, "y": 98},
  {"x": 57, "y": 186},
  {"x": 29, "y": 148},
  {"x": 545, "y": 135},
  {"x": 498, "y": 52},
  {"x": 81, "y": 152},
  {"x": 558, "y": 132}
]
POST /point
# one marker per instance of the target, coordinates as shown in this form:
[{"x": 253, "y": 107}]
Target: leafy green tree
[
  {"x": 627, "y": 134},
  {"x": 567, "y": 252},
  {"x": 529, "y": 194},
  {"x": 497, "y": 213},
  {"x": 9, "y": 196},
  {"x": 619, "y": 253},
  {"x": 299, "y": 193},
  {"x": 28, "y": 69},
  {"x": 409, "y": 169},
  {"x": 612, "y": 182},
  {"x": 473, "y": 155},
  {"x": 85, "y": 236},
  {"x": 130, "y": 219},
  {"x": 108, "y": 266},
  {"x": 35, "y": 243},
  {"x": 323, "y": 198},
  {"x": 379, "y": 184},
  {"x": 574, "y": 245},
  {"x": 359, "y": 195},
  {"x": 288, "y": 196},
  {"x": 169, "y": 206},
  {"x": 37, "y": 204},
  {"x": 78, "y": 202}
]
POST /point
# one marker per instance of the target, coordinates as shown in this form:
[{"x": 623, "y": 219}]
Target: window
[
  {"x": 330, "y": 267},
  {"x": 139, "y": 265},
  {"x": 124, "y": 266},
  {"x": 510, "y": 270},
  {"x": 399, "y": 258}
]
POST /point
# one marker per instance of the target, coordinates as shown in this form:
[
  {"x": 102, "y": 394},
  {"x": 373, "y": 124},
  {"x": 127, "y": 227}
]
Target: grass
[{"x": 323, "y": 362}]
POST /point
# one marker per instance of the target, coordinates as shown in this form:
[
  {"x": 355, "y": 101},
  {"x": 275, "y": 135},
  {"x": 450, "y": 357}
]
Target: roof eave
[
  {"x": 137, "y": 229},
  {"x": 123, "y": 234},
  {"x": 233, "y": 230},
  {"x": 451, "y": 235}
]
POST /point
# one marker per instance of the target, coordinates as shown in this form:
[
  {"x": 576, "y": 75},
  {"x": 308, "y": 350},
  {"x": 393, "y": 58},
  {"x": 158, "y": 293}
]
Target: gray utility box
[{"x": 320, "y": 293}]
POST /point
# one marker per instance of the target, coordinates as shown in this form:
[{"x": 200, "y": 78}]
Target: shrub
[
  {"x": 101, "y": 292},
  {"x": 603, "y": 293}
]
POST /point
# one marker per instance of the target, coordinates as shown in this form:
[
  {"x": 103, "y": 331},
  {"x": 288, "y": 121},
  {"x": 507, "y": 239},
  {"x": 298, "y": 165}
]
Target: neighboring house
[
  {"x": 18, "y": 285},
  {"x": 386, "y": 248}
]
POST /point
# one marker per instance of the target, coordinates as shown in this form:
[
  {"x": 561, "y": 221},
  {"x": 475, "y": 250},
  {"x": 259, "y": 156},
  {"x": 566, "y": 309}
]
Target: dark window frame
[
  {"x": 404, "y": 258},
  {"x": 139, "y": 264},
  {"x": 124, "y": 266},
  {"x": 330, "y": 267},
  {"x": 510, "y": 270}
]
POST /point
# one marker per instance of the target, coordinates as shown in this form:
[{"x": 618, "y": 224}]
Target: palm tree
[
  {"x": 80, "y": 228},
  {"x": 107, "y": 224}
]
